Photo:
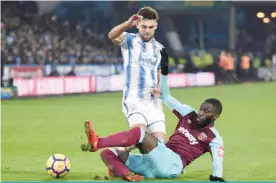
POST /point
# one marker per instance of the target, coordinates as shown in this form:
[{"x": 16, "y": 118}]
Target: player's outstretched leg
[
  {"x": 121, "y": 139},
  {"x": 117, "y": 167}
]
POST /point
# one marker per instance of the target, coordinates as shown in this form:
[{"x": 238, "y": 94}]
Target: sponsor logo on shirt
[
  {"x": 148, "y": 60},
  {"x": 186, "y": 133}
]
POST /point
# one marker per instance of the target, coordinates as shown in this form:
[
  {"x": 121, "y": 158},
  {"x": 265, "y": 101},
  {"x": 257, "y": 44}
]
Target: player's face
[
  {"x": 147, "y": 29},
  {"x": 206, "y": 114}
]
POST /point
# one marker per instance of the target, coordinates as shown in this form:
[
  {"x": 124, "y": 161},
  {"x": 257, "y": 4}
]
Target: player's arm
[
  {"x": 168, "y": 100},
  {"x": 117, "y": 35},
  {"x": 217, "y": 152},
  {"x": 158, "y": 77}
]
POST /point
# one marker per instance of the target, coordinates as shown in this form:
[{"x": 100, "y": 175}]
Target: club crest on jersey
[
  {"x": 202, "y": 136},
  {"x": 189, "y": 121}
]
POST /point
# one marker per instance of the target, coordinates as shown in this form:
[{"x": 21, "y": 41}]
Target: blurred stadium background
[{"x": 59, "y": 48}]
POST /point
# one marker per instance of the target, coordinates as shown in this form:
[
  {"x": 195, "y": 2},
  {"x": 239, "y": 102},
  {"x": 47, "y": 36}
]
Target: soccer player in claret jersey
[{"x": 194, "y": 135}]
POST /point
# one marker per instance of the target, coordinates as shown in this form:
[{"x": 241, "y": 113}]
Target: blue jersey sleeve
[
  {"x": 217, "y": 151},
  {"x": 127, "y": 42},
  {"x": 170, "y": 101}
]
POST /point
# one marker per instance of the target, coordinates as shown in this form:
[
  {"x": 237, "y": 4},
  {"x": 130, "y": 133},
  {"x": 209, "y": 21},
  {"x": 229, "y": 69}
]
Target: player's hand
[
  {"x": 164, "y": 62},
  {"x": 216, "y": 179},
  {"x": 156, "y": 92},
  {"x": 134, "y": 19}
]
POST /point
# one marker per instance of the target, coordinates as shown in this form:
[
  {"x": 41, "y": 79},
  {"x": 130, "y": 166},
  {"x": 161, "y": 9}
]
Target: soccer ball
[{"x": 58, "y": 165}]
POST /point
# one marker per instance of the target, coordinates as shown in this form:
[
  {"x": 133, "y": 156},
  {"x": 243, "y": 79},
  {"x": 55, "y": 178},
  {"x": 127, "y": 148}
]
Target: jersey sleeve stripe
[
  {"x": 129, "y": 39},
  {"x": 141, "y": 82},
  {"x": 152, "y": 71}
]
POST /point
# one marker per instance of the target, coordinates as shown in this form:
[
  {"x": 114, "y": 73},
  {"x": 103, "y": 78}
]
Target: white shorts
[{"x": 145, "y": 111}]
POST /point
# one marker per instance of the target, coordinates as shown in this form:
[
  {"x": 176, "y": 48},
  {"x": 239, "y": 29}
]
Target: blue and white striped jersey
[{"x": 141, "y": 63}]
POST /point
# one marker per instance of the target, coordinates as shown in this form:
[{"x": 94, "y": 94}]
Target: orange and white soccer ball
[{"x": 58, "y": 165}]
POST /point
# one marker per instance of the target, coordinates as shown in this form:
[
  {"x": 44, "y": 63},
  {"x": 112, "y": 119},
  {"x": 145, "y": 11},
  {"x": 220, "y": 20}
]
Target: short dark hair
[
  {"x": 216, "y": 103},
  {"x": 148, "y": 13}
]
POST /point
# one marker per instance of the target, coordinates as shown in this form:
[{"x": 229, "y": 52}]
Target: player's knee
[
  {"x": 104, "y": 153},
  {"x": 108, "y": 152},
  {"x": 111, "y": 153},
  {"x": 123, "y": 155},
  {"x": 148, "y": 144},
  {"x": 137, "y": 120}
]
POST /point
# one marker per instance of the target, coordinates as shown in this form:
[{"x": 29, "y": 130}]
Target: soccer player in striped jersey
[{"x": 141, "y": 54}]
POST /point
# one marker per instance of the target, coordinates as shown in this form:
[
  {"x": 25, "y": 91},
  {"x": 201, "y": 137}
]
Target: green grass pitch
[{"x": 33, "y": 129}]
